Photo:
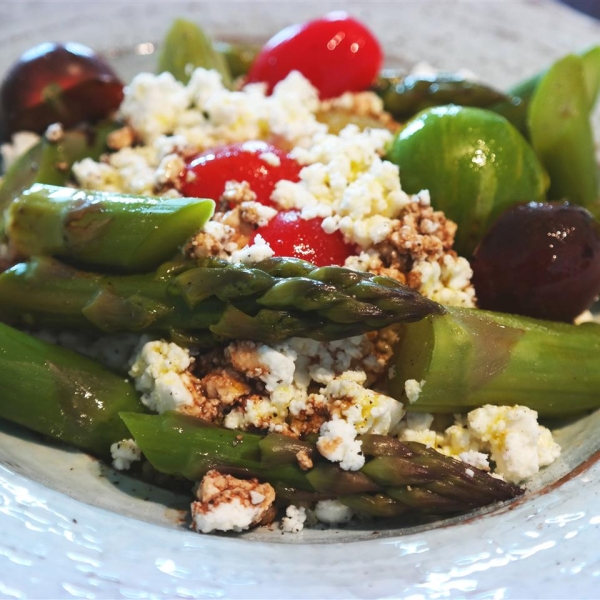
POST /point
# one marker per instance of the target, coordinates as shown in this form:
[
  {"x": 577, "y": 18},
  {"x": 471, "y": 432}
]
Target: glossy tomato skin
[
  {"x": 336, "y": 54},
  {"x": 206, "y": 175},
  {"x": 289, "y": 234},
  {"x": 67, "y": 83}
]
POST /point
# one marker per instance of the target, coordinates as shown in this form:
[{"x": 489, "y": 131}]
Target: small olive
[{"x": 66, "y": 83}]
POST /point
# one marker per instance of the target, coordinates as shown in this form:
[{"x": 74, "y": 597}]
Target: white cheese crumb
[
  {"x": 259, "y": 250},
  {"x": 509, "y": 435},
  {"x": 513, "y": 434},
  {"x": 337, "y": 442},
  {"x": 412, "y": 389},
  {"x": 270, "y": 158},
  {"x": 124, "y": 453},
  {"x": 20, "y": 142},
  {"x": 232, "y": 515},
  {"x": 160, "y": 370},
  {"x": 54, "y": 133},
  {"x": 256, "y": 498},
  {"x": 475, "y": 459},
  {"x": 333, "y": 512},
  {"x": 226, "y": 503},
  {"x": 448, "y": 282},
  {"x": 294, "y": 519}
]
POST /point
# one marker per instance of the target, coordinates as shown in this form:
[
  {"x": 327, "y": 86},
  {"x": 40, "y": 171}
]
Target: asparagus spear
[
  {"x": 121, "y": 232},
  {"x": 187, "y": 47},
  {"x": 183, "y": 445},
  {"x": 51, "y": 162},
  {"x": 273, "y": 300},
  {"x": 467, "y": 358},
  {"x": 403, "y": 97},
  {"x": 561, "y": 133},
  {"x": 516, "y": 106},
  {"x": 61, "y": 394}
]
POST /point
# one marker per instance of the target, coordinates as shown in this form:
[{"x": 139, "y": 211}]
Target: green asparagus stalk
[
  {"x": 61, "y": 394},
  {"x": 181, "y": 445},
  {"x": 561, "y": 133},
  {"x": 516, "y": 106},
  {"x": 50, "y": 162},
  {"x": 230, "y": 301},
  {"x": 103, "y": 229},
  {"x": 403, "y": 97},
  {"x": 467, "y": 358},
  {"x": 186, "y": 47}
]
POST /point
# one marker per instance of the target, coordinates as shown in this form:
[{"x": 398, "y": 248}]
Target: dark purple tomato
[
  {"x": 66, "y": 83},
  {"x": 540, "y": 260}
]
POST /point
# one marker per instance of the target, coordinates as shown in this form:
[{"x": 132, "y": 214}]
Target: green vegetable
[
  {"x": 516, "y": 106},
  {"x": 561, "y": 133},
  {"x": 271, "y": 301},
  {"x": 404, "y": 97},
  {"x": 474, "y": 163},
  {"x": 61, "y": 394},
  {"x": 181, "y": 445},
  {"x": 238, "y": 56},
  {"x": 186, "y": 47},
  {"x": 51, "y": 162},
  {"x": 121, "y": 232},
  {"x": 467, "y": 358}
]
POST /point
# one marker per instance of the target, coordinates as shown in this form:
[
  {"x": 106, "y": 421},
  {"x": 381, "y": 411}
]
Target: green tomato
[{"x": 474, "y": 163}]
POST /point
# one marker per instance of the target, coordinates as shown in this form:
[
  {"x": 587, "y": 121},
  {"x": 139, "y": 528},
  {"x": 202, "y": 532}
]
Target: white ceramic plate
[{"x": 71, "y": 527}]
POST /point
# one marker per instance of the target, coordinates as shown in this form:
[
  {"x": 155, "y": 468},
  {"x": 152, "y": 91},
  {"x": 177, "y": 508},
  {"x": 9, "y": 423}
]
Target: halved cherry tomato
[
  {"x": 291, "y": 235},
  {"x": 261, "y": 164},
  {"x": 66, "y": 83},
  {"x": 336, "y": 54}
]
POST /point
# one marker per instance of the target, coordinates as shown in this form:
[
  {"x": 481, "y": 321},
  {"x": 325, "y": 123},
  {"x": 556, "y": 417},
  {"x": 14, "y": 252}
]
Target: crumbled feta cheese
[
  {"x": 278, "y": 367},
  {"x": 333, "y": 512},
  {"x": 153, "y": 104},
  {"x": 412, "y": 389},
  {"x": 160, "y": 371},
  {"x": 365, "y": 410},
  {"x": 294, "y": 519},
  {"x": 448, "y": 282},
  {"x": 510, "y": 435},
  {"x": 348, "y": 184},
  {"x": 475, "y": 459},
  {"x": 54, "y": 133},
  {"x": 337, "y": 442},
  {"x": 168, "y": 170},
  {"x": 270, "y": 158},
  {"x": 513, "y": 435},
  {"x": 226, "y": 503},
  {"x": 259, "y": 250},
  {"x": 20, "y": 142},
  {"x": 124, "y": 453},
  {"x": 256, "y": 213}
]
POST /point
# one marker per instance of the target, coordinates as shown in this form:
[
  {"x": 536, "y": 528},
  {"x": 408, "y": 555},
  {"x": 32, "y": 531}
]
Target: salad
[{"x": 314, "y": 288}]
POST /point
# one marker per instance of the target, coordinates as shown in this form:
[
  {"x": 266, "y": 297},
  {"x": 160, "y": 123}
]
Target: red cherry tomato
[
  {"x": 336, "y": 54},
  {"x": 65, "y": 83},
  {"x": 291, "y": 235},
  {"x": 207, "y": 174}
]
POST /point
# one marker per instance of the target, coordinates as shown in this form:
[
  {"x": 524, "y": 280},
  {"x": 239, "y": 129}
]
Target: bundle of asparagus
[{"x": 70, "y": 398}]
